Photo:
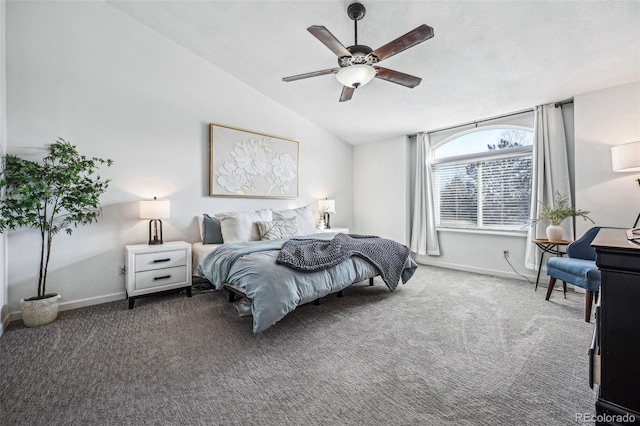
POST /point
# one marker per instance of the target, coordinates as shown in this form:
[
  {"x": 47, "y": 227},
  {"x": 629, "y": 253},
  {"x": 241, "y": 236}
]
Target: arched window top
[
  {"x": 485, "y": 140},
  {"x": 482, "y": 179}
]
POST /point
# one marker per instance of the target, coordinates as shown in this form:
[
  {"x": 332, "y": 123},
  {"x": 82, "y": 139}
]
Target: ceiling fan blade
[
  {"x": 397, "y": 77},
  {"x": 347, "y": 93},
  {"x": 329, "y": 40},
  {"x": 410, "y": 39},
  {"x": 311, "y": 74}
]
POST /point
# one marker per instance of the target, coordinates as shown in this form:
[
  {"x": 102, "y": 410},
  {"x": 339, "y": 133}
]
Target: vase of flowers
[{"x": 556, "y": 214}]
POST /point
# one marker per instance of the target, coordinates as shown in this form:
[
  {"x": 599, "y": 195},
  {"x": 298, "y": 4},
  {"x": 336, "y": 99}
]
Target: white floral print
[
  {"x": 231, "y": 178},
  {"x": 254, "y": 161},
  {"x": 251, "y": 157}
]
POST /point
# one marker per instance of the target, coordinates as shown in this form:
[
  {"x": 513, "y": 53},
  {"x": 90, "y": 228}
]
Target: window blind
[{"x": 490, "y": 193}]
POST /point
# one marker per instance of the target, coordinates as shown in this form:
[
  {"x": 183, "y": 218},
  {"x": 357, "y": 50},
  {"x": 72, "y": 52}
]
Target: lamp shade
[
  {"x": 327, "y": 206},
  {"x": 626, "y": 157},
  {"x": 356, "y": 75},
  {"x": 155, "y": 209}
]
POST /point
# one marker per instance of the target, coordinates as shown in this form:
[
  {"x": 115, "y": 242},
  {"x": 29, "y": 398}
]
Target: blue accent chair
[{"x": 578, "y": 268}]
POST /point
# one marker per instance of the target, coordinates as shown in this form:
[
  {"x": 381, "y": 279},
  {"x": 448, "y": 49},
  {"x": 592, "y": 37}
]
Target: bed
[{"x": 269, "y": 274}]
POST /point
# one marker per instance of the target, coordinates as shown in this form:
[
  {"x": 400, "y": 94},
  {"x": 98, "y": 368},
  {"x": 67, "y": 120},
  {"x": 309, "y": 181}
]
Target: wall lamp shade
[
  {"x": 626, "y": 157},
  {"x": 155, "y": 210},
  {"x": 356, "y": 75},
  {"x": 327, "y": 206}
]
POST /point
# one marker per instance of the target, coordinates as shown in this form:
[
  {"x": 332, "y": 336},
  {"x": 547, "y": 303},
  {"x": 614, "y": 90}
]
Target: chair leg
[
  {"x": 552, "y": 282},
  {"x": 564, "y": 288},
  {"x": 588, "y": 302}
]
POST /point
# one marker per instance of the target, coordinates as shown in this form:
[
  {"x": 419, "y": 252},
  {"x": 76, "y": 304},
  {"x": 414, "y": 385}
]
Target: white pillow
[
  {"x": 304, "y": 216},
  {"x": 241, "y": 226}
]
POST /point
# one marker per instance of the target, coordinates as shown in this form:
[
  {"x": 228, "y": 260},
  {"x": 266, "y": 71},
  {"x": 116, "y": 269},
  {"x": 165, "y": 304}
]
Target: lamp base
[
  {"x": 155, "y": 235},
  {"x": 327, "y": 222}
]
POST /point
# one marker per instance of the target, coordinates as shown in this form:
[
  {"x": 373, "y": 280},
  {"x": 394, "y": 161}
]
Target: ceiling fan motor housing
[{"x": 360, "y": 54}]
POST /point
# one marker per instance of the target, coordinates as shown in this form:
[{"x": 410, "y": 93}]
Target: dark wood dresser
[{"x": 617, "y": 333}]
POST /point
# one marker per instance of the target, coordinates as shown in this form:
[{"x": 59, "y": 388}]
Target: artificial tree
[{"x": 60, "y": 192}]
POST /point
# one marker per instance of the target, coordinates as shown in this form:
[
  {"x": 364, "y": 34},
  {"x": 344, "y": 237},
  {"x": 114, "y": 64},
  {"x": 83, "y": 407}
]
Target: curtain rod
[
  {"x": 524, "y": 111},
  {"x": 559, "y": 104}
]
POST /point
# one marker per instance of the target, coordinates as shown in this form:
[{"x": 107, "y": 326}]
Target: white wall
[
  {"x": 91, "y": 74},
  {"x": 380, "y": 189},
  {"x": 4, "y": 290},
  {"x": 606, "y": 118}
]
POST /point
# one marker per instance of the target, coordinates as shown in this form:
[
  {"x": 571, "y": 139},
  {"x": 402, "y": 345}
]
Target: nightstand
[
  {"x": 336, "y": 230},
  {"x": 156, "y": 268}
]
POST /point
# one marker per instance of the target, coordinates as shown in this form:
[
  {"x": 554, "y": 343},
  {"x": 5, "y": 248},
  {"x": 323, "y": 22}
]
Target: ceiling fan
[{"x": 357, "y": 62}]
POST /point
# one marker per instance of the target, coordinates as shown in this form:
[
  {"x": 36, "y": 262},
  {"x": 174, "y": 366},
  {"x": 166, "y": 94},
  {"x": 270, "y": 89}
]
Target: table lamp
[
  {"x": 327, "y": 206},
  {"x": 626, "y": 158},
  {"x": 155, "y": 210}
]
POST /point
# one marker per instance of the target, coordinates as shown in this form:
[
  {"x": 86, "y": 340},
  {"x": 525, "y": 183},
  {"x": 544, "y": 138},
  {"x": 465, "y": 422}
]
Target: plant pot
[
  {"x": 40, "y": 311},
  {"x": 554, "y": 233}
]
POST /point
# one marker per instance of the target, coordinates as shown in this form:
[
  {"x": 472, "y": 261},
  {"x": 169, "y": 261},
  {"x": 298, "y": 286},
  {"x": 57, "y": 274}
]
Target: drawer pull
[
  {"x": 164, "y": 277},
  {"x": 161, "y": 260}
]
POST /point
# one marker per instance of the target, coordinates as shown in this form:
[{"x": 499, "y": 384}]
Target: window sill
[{"x": 515, "y": 233}]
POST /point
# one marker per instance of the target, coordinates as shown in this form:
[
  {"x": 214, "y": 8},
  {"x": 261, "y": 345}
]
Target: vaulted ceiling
[{"x": 486, "y": 58}]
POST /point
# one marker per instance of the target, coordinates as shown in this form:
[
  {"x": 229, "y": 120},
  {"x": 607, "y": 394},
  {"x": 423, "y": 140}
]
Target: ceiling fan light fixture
[{"x": 356, "y": 75}]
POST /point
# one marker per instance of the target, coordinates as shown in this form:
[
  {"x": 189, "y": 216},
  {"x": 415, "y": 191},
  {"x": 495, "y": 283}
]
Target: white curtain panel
[
  {"x": 550, "y": 174},
  {"x": 424, "y": 237}
]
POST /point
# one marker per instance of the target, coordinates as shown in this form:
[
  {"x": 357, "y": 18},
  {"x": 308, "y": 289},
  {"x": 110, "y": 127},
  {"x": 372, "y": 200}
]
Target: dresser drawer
[
  {"x": 162, "y": 259},
  {"x": 161, "y": 277}
]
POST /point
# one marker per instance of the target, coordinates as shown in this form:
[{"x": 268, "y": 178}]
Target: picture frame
[{"x": 248, "y": 164}]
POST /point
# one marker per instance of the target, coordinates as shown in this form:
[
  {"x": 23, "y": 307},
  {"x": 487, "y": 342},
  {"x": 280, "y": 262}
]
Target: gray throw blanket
[{"x": 313, "y": 255}]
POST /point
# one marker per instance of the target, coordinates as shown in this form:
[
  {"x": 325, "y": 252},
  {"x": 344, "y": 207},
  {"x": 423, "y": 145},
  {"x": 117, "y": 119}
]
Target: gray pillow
[
  {"x": 276, "y": 229},
  {"x": 211, "y": 231}
]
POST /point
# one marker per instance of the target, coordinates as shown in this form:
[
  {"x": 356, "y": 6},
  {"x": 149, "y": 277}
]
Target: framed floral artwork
[{"x": 243, "y": 163}]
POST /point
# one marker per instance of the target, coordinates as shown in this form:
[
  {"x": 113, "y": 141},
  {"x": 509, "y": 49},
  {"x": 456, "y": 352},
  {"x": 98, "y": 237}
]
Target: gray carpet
[{"x": 447, "y": 348}]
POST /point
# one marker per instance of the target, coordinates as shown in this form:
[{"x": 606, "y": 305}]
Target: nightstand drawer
[
  {"x": 163, "y": 259},
  {"x": 161, "y": 277}
]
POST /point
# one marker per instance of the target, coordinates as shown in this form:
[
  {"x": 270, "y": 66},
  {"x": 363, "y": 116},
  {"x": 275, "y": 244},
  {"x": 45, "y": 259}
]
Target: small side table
[
  {"x": 551, "y": 247},
  {"x": 157, "y": 268}
]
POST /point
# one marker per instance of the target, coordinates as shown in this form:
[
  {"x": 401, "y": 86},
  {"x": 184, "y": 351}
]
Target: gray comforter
[{"x": 275, "y": 290}]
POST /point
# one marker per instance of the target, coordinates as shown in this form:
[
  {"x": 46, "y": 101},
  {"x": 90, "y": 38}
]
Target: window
[{"x": 482, "y": 178}]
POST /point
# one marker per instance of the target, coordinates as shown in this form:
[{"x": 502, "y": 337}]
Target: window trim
[
  {"x": 488, "y": 156},
  {"x": 474, "y": 130},
  {"x": 480, "y": 156}
]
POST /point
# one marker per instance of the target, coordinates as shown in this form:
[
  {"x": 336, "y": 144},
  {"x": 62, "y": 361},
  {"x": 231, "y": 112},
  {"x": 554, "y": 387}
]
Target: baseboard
[
  {"x": 4, "y": 323},
  {"x": 483, "y": 271},
  {"x": 75, "y": 304}
]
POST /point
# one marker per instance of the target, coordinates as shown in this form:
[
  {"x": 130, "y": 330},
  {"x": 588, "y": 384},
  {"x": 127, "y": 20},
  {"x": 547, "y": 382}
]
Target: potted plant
[
  {"x": 58, "y": 193},
  {"x": 556, "y": 213}
]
